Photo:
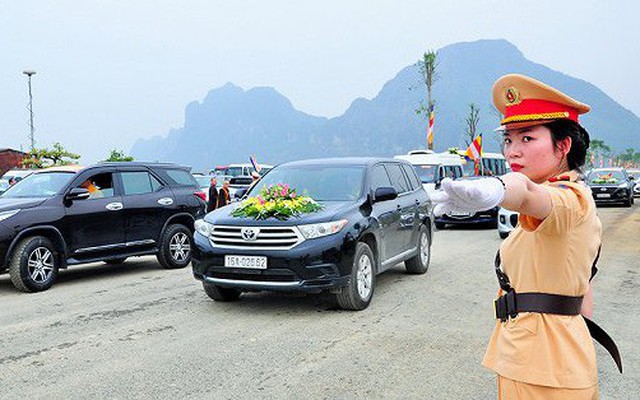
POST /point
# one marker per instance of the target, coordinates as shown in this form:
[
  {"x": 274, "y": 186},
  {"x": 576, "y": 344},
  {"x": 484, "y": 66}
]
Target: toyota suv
[
  {"x": 374, "y": 214},
  {"x": 107, "y": 212}
]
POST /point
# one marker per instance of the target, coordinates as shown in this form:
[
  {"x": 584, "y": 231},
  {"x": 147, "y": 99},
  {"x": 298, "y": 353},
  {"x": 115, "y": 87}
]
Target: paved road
[{"x": 138, "y": 331}]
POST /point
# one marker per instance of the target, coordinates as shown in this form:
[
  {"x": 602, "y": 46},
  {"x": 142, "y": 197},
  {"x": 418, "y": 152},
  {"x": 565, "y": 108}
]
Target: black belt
[{"x": 511, "y": 303}]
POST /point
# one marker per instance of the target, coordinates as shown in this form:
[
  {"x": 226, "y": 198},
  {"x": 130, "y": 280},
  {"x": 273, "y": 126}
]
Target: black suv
[
  {"x": 375, "y": 214},
  {"x": 611, "y": 185},
  {"x": 106, "y": 212}
]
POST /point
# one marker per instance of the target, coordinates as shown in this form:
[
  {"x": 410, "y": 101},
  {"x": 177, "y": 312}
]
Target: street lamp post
[{"x": 30, "y": 73}]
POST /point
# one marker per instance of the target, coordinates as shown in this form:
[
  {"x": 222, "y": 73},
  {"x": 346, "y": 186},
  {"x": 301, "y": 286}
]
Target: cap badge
[{"x": 512, "y": 96}]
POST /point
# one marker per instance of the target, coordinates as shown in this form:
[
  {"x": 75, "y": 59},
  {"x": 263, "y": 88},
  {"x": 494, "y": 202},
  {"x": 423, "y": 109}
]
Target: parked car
[
  {"x": 106, "y": 212},
  {"x": 488, "y": 218},
  {"x": 611, "y": 185},
  {"x": 635, "y": 175},
  {"x": 375, "y": 214},
  {"x": 507, "y": 221}
]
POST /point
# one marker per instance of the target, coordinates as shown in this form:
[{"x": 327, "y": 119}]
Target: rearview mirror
[
  {"x": 384, "y": 194},
  {"x": 633, "y": 178},
  {"x": 78, "y": 193}
]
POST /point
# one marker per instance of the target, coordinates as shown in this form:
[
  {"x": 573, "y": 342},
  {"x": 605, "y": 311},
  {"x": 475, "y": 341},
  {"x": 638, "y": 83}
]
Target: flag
[
  {"x": 432, "y": 118},
  {"x": 474, "y": 152},
  {"x": 593, "y": 159},
  {"x": 255, "y": 164}
]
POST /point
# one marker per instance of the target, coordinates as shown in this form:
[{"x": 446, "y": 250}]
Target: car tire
[
  {"x": 440, "y": 225},
  {"x": 420, "y": 263},
  {"x": 218, "y": 293},
  {"x": 175, "y": 247},
  {"x": 357, "y": 294},
  {"x": 503, "y": 235},
  {"x": 629, "y": 202},
  {"x": 34, "y": 266},
  {"x": 115, "y": 261}
]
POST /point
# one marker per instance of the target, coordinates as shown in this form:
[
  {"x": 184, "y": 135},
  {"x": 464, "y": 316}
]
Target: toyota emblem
[{"x": 249, "y": 234}]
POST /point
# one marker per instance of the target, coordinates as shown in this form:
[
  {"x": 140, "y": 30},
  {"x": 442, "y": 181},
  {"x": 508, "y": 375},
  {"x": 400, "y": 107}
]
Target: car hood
[
  {"x": 330, "y": 211},
  {"x": 12, "y": 203}
]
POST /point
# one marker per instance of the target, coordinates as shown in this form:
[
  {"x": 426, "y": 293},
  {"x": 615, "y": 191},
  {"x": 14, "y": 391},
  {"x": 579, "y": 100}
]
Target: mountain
[{"x": 231, "y": 123}]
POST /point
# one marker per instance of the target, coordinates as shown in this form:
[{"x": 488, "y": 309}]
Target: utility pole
[{"x": 32, "y": 138}]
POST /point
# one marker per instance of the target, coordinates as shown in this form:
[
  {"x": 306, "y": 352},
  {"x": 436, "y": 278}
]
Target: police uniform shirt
[{"x": 555, "y": 256}]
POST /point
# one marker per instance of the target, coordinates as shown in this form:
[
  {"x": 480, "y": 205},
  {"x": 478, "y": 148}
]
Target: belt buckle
[{"x": 505, "y": 306}]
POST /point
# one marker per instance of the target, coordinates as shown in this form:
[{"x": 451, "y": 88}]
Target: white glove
[{"x": 468, "y": 195}]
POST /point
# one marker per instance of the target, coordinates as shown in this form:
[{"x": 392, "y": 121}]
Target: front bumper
[
  {"x": 312, "y": 266},
  {"x": 617, "y": 195},
  {"x": 481, "y": 217}
]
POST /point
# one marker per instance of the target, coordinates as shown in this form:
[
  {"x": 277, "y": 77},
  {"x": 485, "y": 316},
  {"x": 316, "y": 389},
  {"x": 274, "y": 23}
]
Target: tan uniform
[{"x": 550, "y": 256}]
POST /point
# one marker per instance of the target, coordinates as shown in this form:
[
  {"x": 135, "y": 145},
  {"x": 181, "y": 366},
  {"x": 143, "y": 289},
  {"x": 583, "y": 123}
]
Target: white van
[
  {"x": 493, "y": 164},
  {"x": 433, "y": 167}
]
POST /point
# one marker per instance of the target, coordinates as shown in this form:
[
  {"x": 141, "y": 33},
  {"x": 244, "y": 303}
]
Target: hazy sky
[{"x": 110, "y": 72}]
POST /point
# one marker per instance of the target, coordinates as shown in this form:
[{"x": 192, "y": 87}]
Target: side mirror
[
  {"x": 78, "y": 193},
  {"x": 633, "y": 178},
  {"x": 240, "y": 193},
  {"x": 384, "y": 194}
]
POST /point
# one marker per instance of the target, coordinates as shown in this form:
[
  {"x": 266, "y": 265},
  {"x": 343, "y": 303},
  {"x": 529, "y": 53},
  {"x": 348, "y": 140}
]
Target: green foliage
[
  {"x": 118, "y": 155},
  {"x": 43, "y": 158}
]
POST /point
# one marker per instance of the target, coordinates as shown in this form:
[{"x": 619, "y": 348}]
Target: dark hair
[{"x": 563, "y": 128}]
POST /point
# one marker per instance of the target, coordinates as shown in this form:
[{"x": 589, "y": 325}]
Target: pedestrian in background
[
  {"x": 223, "y": 197},
  {"x": 212, "y": 204},
  {"x": 541, "y": 346}
]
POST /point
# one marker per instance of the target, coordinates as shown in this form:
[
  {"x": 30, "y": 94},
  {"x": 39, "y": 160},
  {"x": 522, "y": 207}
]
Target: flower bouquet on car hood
[{"x": 276, "y": 201}]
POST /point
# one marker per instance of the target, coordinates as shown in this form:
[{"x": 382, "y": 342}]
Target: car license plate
[
  {"x": 603, "y": 195},
  {"x": 460, "y": 214},
  {"x": 251, "y": 262}
]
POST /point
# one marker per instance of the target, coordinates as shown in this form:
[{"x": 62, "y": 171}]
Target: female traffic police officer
[{"x": 541, "y": 347}]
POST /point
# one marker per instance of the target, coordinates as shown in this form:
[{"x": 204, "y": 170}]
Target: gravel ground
[{"x": 138, "y": 331}]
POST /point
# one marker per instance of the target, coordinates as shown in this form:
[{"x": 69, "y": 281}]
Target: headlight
[
  {"x": 622, "y": 185},
  {"x": 8, "y": 214},
  {"x": 313, "y": 231},
  {"x": 203, "y": 227}
]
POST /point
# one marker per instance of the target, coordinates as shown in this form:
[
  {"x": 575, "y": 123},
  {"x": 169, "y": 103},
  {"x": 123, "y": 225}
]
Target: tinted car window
[
  {"x": 139, "y": 183},
  {"x": 379, "y": 177},
  {"x": 320, "y": 182},
  {"x": 398, "y": 180},
  {"x": 604, "y": 177},
  {"x": 178, "y": 177},
  {"x": 411, "y": 174}
]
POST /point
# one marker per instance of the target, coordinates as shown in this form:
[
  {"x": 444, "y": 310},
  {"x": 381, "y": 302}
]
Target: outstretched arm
[{"x": 526, "y": 197}]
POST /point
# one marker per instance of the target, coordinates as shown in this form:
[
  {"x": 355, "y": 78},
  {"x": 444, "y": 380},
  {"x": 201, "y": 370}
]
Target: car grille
[{"x": 263, "y": 238}]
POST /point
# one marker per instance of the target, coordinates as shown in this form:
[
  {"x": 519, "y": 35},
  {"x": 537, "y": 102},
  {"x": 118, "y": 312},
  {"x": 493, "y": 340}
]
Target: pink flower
[
  {"x": 293, "y": 195},
  {"x": 283, "y": 193},
  {"x": 261, "y": 200}
]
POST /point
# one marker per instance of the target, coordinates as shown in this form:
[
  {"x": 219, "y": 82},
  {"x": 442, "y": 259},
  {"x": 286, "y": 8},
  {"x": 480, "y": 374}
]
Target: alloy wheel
[
  {"x": 364, "y": 276},
  {"x": 180, "y": 246},
  {"x": 40, "y": 264}
]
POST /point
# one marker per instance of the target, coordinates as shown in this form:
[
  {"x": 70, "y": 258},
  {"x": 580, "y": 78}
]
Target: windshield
[
  {"x": 426, "y": 173},
  {"x": 320, "y": 182},
  {"x": 44, "y": 184},
  {"x": 234, "y": 171},
  {"x": 606, "y": 177}
]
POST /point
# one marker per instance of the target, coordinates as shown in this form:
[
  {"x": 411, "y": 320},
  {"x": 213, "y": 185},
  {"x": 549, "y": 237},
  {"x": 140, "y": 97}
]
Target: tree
[
  {"x": 598, "y": 150},
  {"x": 471, "y": 122},
  {"x": 118, "y": 155},
  {"x": 428, "y": 66},
  {"x": 42, "y": 158}
]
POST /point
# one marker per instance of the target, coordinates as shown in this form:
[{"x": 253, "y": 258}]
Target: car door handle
[
  {"x": 114, "y": 206},
  {"x": 165, "y": 201}
]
